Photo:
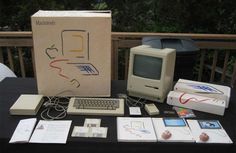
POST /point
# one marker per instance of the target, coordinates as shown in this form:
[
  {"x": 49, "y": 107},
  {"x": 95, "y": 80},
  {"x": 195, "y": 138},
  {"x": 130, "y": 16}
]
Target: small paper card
[
  {"x": 92, "y": 122},
  {"x": 80, "y": 131},
  {"x": 99, "y": 132}
]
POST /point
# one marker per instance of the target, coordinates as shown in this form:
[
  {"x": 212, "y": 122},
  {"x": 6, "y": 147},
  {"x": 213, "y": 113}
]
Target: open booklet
[{"x": 44, "y": 132}]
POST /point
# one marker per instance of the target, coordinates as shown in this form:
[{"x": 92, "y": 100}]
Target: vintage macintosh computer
[{"x": 151, "y": 72}]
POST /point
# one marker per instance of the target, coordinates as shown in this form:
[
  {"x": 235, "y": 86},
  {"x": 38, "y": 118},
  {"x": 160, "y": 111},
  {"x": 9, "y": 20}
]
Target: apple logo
[{"x": 51, "y": 51}]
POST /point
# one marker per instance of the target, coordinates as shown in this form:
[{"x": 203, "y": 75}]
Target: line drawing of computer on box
[{"x": 75, "y": 43}]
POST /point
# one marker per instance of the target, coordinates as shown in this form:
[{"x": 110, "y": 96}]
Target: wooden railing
[
  {"x": 20, "y": 42},
  {"x": 12, "y": 42},
  {"x": 218, "y": 43}
]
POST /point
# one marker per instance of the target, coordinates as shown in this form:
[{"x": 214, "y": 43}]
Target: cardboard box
[
  {"x": 204, "y": 89},
  {"x": 196, "y": 102},
  {"x": 72, "y": 52}
]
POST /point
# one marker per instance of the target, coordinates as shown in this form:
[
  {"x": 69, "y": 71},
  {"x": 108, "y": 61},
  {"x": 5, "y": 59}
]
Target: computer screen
[
  {"x": 151, "y": 72},
  {"x": 153, "y": 67}
]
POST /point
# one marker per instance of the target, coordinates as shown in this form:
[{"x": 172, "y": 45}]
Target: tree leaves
[{"x": 209, "y": 16}]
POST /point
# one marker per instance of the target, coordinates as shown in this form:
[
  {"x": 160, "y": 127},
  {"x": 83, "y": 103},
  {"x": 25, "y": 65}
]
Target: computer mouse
[
  {"x": 166, "y": 134},
  {"x": 204, "y": 137}
]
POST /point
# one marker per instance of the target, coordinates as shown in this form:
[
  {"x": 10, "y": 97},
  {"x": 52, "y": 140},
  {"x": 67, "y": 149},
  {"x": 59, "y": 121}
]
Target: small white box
[
  {"x": 196, "y": 102},
  {"x": 204, "y": 89},
  {"x": 27, "y": 105}
]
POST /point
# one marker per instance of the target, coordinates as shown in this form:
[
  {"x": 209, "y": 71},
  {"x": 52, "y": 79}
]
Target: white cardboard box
[
  {"x": 196, "y": 102},
  {"x": 72, "y": 52},
  {"x": 204, "y": 89}
]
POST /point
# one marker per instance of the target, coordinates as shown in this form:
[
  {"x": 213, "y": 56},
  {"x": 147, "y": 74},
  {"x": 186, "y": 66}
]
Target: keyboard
[{"x": 96, "y": 106}]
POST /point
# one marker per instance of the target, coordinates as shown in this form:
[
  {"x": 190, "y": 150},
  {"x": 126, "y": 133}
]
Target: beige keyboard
[{"x": 96, "y": 106}]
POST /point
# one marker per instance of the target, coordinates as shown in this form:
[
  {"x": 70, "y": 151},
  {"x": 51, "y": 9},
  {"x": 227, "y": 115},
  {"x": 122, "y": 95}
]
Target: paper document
[
  {"x": 51, "y": 132},
  {"x": 23, "y": 131}
]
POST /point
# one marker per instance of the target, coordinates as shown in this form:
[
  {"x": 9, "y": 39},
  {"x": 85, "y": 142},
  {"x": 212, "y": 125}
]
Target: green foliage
[
  {"x": 231, "y": 63},
  {"x": 16, "y": 14},
  {"x": 209, "y": 16}
]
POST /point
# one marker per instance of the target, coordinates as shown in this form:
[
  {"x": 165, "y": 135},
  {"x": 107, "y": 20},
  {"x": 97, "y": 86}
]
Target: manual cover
[
  {"x": 172, "y": 130},
  {"x": 72, "y": 51},
  {"x": 208, "y": 131},
  {"x": 131, "y": 129}
]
